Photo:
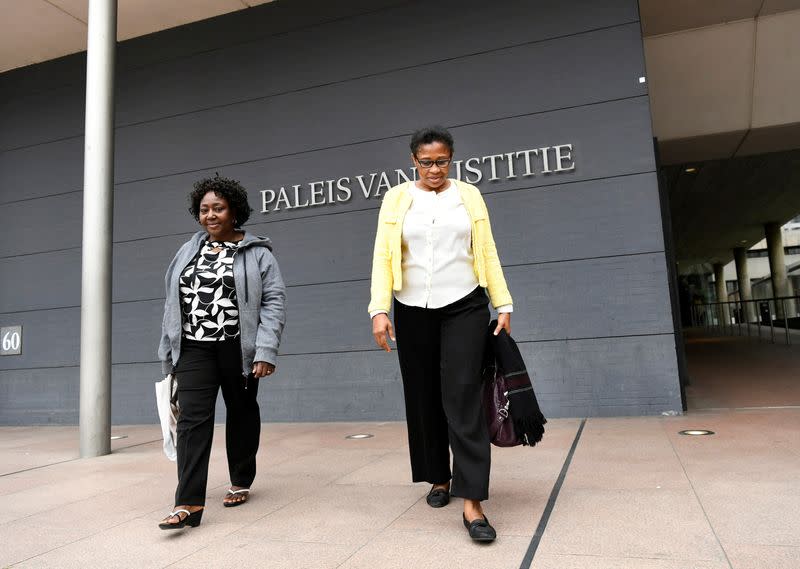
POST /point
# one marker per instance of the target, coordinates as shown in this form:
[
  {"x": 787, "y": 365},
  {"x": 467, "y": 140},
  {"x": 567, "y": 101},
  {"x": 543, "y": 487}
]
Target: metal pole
[
  {"x": 98, "y": 207},
  {"x": 727, "y": 312},
  {"x": 739, "y": 319},
  {"x": 785, "y": 322},
  {"x": 771, "y": 325},
  {"x": 747, "y": 316},
  {"x": 758, "y": 322},
  {"x": 731, "y": 312}
]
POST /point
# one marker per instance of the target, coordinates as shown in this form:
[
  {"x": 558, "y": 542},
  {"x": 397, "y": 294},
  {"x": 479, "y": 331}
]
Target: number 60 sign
[{"x": 10, "y": 340}]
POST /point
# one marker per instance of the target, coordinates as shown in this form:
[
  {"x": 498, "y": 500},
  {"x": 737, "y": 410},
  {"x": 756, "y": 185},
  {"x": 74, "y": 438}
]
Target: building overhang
[{"x": 34, "y": 31}]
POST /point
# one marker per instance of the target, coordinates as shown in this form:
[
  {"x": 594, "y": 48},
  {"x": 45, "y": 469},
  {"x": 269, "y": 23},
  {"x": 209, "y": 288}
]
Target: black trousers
[
  {"x": 441, "y": 352},
  {"x": 202, "y": 369}
]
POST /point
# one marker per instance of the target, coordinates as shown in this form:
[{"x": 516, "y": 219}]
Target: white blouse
[{"x": 438, "y": 264}]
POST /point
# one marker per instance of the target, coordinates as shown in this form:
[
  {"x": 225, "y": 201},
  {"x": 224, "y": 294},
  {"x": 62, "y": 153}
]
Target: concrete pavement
[{"x": 636, "y": 493}]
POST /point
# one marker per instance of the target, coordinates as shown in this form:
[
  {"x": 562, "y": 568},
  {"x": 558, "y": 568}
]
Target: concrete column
[
  {"x": 722, "y": 292},
  {"x": 743, "y": 276},
  {"x": 98, "y": 207},
  {"x": 781, "y": 285}
]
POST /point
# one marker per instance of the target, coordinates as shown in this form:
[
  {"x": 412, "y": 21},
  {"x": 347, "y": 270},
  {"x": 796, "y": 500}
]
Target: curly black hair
[
  {"x": 230, "y": 190},
  {"x": 430, "y": 134}
]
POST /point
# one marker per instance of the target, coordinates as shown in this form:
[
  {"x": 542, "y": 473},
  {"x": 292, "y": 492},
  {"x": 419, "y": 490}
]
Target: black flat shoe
[
  {"x": 192, "y": 519},
  {"x": 480, "y": 529},
  {"x": 438, "y": 498}
]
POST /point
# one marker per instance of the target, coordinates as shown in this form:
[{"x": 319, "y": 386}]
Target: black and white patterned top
[{"x": 208, "y": 294}]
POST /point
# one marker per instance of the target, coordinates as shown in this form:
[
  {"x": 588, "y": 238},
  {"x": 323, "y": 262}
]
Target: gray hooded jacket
[{"x": 260, "y": 294}]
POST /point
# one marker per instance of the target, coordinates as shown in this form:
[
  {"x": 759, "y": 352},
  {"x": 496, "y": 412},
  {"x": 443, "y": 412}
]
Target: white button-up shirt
[{"x": 438, "y": 264}]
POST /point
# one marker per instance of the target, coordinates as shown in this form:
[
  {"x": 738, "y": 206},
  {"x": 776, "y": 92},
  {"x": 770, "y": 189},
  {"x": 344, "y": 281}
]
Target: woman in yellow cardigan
[{"x": 434, "y": 252}]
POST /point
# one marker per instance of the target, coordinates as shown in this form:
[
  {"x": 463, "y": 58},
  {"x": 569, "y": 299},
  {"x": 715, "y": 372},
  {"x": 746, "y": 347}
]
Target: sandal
[
  {"x": 192, "y": 519},
  {"x": 241, "y": 492}
]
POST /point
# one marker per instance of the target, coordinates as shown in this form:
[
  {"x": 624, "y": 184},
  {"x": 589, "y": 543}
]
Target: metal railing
[{"x": 748, "y": 317}]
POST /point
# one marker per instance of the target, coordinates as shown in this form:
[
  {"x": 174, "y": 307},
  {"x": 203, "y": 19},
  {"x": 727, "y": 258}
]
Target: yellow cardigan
[{"x": 387, "y": 272}]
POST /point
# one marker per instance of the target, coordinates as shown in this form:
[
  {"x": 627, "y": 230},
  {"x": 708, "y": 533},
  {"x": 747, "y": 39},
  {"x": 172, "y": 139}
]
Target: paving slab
[
  {"x": 436, "y": 550},
  {"x": 661, "y": 524},
  {"x": 239, "y": 552},
  {"x": 763, "y": 556},
  {"x": 344, "y": 515},
  {"x": 636, "y": 494},
  {"x": 549, "y": 561}
]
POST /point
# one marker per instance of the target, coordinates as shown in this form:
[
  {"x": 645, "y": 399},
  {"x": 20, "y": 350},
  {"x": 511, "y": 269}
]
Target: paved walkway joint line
[{"x": 551, "y": 502}]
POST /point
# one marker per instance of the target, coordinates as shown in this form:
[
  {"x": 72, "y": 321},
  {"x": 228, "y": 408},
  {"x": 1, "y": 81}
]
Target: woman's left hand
[
  {"x": 503, "y": 323},
  {"x": 260, "y": 369}
]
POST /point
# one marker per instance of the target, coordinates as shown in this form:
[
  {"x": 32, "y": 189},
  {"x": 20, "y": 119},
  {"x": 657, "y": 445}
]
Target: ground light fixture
[
  {"x": 696, "y": 432},
  {"x": 360, "y": 436},
  {"x": 690, "y": 170}
]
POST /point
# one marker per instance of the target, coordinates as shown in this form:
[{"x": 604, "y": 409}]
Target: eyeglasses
[{"x": 441, "y": 163}]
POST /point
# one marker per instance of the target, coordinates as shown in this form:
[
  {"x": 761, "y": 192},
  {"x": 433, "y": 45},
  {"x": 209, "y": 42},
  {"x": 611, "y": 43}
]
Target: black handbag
[
  {"x": 495, "y": 407},
  {"x": 512, "y": 412}
]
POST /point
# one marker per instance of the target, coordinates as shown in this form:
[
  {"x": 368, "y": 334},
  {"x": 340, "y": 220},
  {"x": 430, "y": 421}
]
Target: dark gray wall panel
[
  {"x": 190, "y": 40},
  {"x": 157, "y": 207},
  {"x": 43, "y": 117},
  {"x": 40, "y": 396},
  {"x": 546, "y": 304},
  {"x": 604, "y": 377},
  {"x": 572, "y": 378},
  {"x": 370, "y": 43},
  {"x": 134, "y": 395},
  {"x": 632, "y": 289},
  {"x": 53, "y": 280},
  {"x": 187, "y": 41},
  {"x": 334, "y": 114},
  {"x": 137, "y": 331},
  {"x": 44, "y": 396},
  {"x": 606, "y": 217},
  {"x": 371, "y": 379},
  {"x": 42, "y": 224},
  {"x": 551, "y": 299},
  {"x": 597, "y": 132},
  {"x": 583, "y": 250},
  {"x": 46, "y": 170},
  {"x": 50, "y": 338},
  {"x": 587, "y": 217},
  {"x": 44, "y": 280},
  {"x": 139, "y": 267},
  {"x": 635, "y": 303}
]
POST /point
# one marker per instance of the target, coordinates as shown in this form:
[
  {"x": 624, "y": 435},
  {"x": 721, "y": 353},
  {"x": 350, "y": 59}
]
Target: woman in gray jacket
[{"x": 223, "y": 317}]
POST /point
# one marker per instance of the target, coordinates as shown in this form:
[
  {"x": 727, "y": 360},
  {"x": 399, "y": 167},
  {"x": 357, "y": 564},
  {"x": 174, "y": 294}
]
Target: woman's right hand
[{"x": 382, "y": 330}]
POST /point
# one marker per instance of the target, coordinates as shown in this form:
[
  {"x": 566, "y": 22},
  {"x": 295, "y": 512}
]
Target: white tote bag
[{"x": 168, "y": 414}]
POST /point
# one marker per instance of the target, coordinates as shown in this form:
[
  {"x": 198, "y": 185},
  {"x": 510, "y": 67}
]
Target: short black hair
[
  {"x": 430, "y": 134},
  {"x": 230, "y": 190}
]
